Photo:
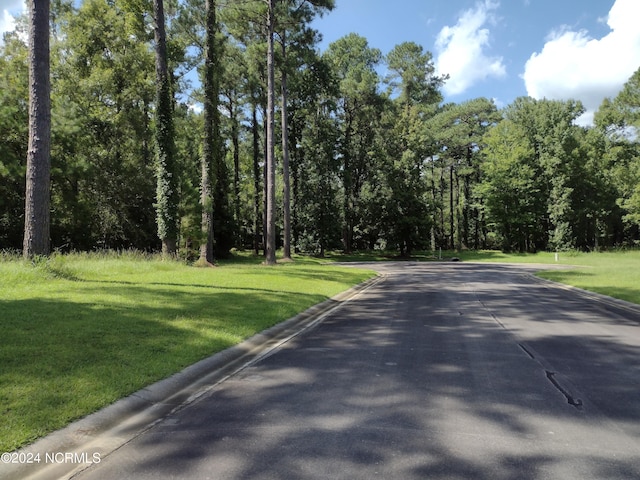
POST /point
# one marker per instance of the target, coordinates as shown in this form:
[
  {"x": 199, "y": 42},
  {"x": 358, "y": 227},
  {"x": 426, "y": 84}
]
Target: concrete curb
[
  {"x": 598, "y": 297},
  {"x": 95, "y": 436}
]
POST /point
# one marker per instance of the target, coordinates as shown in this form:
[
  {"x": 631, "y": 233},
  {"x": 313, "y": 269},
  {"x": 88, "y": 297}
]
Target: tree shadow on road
[{"x": 421, "y": 379}]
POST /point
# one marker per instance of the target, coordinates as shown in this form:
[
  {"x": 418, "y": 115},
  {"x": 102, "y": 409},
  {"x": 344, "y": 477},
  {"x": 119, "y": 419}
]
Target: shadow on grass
[
  {"x": 425, "y": 386},
  {"x": 186, "y": 285},
  {"x": 327, "y": 275},
  {"x": 64, "y": 358}
]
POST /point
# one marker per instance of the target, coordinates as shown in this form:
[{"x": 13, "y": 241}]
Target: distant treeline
[{"x": 372, "y": 162}]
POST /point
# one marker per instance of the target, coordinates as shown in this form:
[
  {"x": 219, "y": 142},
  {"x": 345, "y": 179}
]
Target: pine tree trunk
[
  {"x": 452, "y": 238},
  {"x": 348, "y": 187},
  {"x": 166, "y": 176},
  {"x": 285, "y": 160},
  {"x": 235, "y": 140},
  {"x": 206, "y": 243},
  {"x": 38, "y": 176},
  {"x": 270, "y": 257},
  {"x": 257, "y": 174},
  {"x": 295, "y": 224},
  {"x": 209, "y": 140},
  {"x": 443, "y": 232}
]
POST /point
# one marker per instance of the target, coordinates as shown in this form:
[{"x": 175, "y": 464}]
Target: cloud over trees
[
  {"x": 572, "y": 64},
  {"x": 461, "y": 49}
]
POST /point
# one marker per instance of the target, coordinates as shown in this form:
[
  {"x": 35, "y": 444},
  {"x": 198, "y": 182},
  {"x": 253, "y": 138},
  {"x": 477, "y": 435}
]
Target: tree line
[{"x": 199, "y": 126}]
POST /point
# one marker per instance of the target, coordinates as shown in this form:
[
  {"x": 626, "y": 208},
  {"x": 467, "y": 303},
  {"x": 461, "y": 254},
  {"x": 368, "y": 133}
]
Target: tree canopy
[{"x": 163, "y": 135}]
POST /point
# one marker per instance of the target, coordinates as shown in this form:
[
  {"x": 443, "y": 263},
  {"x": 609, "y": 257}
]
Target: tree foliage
[{"x": 143, "y": 156}]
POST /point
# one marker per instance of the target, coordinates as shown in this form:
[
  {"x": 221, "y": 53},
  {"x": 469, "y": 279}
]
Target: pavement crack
[
  {"x": 571, "y": 400},
  {"x": 531, "y": 355}
]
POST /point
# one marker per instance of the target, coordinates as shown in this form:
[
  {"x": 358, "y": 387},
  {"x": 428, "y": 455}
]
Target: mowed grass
[
  {"x": 616, "y": 274},
  {"x": 81, "y": 331}
]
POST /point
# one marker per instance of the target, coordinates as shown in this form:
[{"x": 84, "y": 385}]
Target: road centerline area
[{"x": 417, "y": 378}]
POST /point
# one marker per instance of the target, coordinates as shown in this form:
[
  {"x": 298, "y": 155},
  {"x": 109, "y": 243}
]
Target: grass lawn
[
  {"x": 81, "y": 331},
  {"x": 616, "y": 274}
]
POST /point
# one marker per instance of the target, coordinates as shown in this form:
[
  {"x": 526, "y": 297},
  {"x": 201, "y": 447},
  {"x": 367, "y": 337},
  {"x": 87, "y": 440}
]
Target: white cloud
[
  {"x": 461, "y": 50},
  {"x": 498, "y": 103},
  {"x": 7, "y": 22},
  {"x": 572, "y": 65},
  {"x": 8, "y": 9},
  {"x": 196, "y": 108}
]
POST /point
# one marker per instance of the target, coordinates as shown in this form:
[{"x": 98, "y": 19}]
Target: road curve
[{"x": 440, "y": 371}]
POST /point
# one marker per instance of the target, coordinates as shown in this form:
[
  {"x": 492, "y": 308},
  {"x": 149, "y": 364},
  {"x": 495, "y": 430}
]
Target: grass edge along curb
[
  {"x": 104, "y": 431},
  {"x": 590, "y": 295}
]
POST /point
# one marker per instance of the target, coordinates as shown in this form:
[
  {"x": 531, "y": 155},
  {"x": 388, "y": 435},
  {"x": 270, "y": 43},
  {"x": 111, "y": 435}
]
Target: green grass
[
  {"x": 616, "y": 274},
  {"x": 81, "y": 331}
]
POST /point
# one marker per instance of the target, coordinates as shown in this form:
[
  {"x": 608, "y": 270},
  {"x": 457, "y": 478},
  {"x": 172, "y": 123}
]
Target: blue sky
[
  {"x": 502, "y": 49},
  {"x": 499, "y": 49},
  {"x": 8, "y": 8}
]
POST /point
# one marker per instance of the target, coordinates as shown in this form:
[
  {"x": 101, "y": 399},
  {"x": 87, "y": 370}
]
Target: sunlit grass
[
  {"x": 616, "y": 274},
  {"x": 80, "y": 331}
]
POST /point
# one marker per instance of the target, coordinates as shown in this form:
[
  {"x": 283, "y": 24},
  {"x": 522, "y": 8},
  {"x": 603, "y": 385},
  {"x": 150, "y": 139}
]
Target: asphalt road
[{"x": 440, "y": 371}]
